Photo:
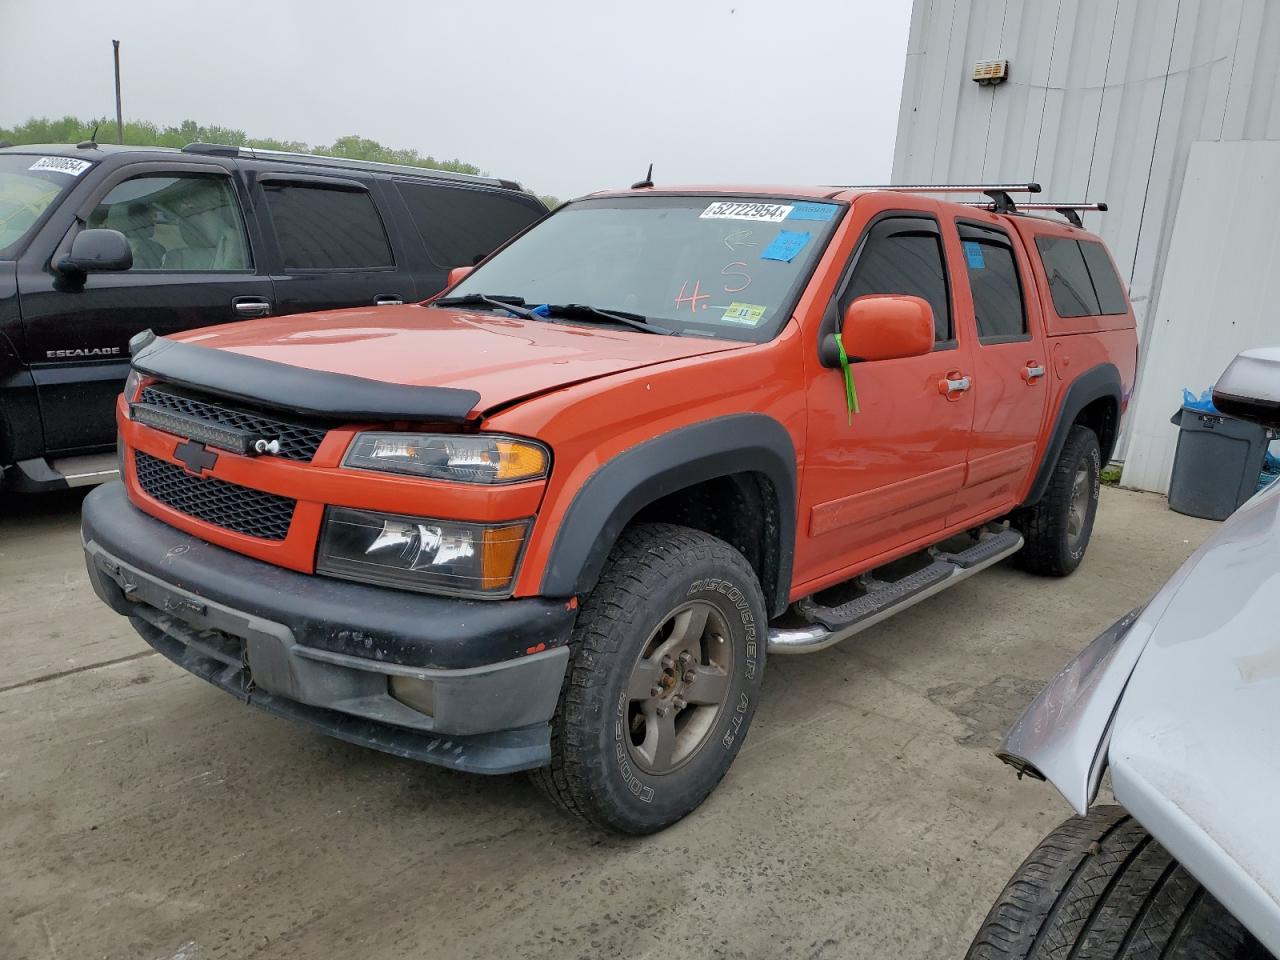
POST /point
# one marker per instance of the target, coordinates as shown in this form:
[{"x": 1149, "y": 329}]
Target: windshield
[
  {"x": 717, "y": 267},
  {"x": 29, "y": 185}
]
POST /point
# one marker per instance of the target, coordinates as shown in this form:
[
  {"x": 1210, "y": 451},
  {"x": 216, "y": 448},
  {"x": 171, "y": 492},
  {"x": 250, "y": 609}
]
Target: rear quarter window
[
  {"x": 460, "y": 226},
  {"x": 1082, "y": 280}
]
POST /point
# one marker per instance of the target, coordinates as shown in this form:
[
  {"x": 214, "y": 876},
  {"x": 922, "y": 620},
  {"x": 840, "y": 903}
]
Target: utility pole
[{"x": 115, "y": 44}]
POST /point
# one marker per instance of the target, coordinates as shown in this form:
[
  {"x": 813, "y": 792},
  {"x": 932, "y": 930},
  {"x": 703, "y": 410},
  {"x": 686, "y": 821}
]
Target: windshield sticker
[
  {"x": 745, "y": 210},
  {"x": 737, "y": 270},
  {"x": 743, "y": 314},
  {"x": 785, "y": 246},
  {"x": 693, "y": 298},
  {"x": 812, "y": 211},
  {"x": 739, "y": 238},
  {"x": 68, "y": 165},
  {"x": 973, "y": 255}
]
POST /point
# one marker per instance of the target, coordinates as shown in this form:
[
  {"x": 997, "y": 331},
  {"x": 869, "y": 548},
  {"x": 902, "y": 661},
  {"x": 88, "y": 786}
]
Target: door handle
[
  {"x": 251, "y": 306},
  {"x": 952, "y": 384},
  {"x": 387, "y": 300},
  {"x": 1032, "y": 371}
]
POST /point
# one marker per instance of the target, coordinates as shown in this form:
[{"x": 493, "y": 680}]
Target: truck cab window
[
  {"x": 177, "y": 222},
  {"x": 993, "y": 280},
  {"x": 904, "y": 255}
]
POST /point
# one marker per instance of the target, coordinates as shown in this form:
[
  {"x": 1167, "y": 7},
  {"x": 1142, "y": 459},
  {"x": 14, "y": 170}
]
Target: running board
[{"x": 830, "y": 625}]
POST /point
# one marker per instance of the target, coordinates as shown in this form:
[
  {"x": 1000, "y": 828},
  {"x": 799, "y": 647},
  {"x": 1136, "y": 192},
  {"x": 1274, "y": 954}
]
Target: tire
[
  {"x": 616, "y": 761},
  {"x": 1056, "y": 534},
  {"x": 1099, "y": 887}
]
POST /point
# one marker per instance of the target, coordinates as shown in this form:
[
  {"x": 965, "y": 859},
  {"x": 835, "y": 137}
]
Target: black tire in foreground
[
  {"x": 663, "y": 680},
  {"x": 1057, "y": 528},
  {"x": 1100, "y": 887}
]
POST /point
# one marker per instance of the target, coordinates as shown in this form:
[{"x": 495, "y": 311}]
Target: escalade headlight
[
  {"x": 470, "y": 458},
  {"x": 418, "y": 553}
]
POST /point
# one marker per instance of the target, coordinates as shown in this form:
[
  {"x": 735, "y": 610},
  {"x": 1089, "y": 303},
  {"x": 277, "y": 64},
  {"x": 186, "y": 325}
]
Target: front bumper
[{"x": 323, "y": 651}]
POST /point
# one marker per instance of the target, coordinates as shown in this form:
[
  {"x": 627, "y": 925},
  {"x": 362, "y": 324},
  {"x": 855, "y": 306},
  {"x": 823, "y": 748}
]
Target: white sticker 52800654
[
  {"x": 746, "y": 210},
  {"x": 68, "y": 165}
]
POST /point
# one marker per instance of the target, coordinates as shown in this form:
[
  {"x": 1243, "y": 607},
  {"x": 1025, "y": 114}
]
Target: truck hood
[{"x": 504, "y": 359}]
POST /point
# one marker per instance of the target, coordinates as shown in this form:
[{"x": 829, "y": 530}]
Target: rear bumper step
[{"x": 830, "y": 625}]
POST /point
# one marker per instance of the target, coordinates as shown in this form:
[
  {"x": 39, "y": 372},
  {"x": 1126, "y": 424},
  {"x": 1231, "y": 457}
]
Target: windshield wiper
[
  {"x": 637, "y": 321},
  {"x": 511, "y": 304}
]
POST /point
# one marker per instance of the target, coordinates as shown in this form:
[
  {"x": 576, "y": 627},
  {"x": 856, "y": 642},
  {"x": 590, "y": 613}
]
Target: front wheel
[
  {"x": 664, "y": 676},
  {"x": 1101, "y": 887}
]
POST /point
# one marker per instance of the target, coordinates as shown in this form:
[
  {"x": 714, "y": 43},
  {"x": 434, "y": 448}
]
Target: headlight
[
  {"x": 131, "y": 383},
  {"x": 483, "y": 458},
  {"x": 416, "y": 553}
]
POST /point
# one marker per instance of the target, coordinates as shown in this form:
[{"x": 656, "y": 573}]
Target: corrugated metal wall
[{"x": 1104, "y": 100}]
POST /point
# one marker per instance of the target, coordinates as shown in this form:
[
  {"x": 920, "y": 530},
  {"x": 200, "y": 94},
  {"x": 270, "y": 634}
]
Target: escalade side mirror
[
  {"x": 97, "y": 250},
  {"x": 882, "y": 327},
  {"x": 457, "y": 274},
  {"x": 1249, "y": 389}
]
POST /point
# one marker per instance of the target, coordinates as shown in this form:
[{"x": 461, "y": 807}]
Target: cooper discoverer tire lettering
[{"x": 666, "y": 663}]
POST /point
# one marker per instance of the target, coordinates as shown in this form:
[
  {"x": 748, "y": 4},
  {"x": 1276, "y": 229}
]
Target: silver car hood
[{"x": 1195, "y": 741}]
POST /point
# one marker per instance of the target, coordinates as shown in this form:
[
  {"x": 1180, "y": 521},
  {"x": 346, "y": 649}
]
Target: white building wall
[
  {"x": 1104, "y": 100},
  {"x": 1218, "y": 296}
]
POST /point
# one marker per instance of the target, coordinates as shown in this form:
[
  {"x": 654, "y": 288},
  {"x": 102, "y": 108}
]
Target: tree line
[{"x": 143, "y": 133}]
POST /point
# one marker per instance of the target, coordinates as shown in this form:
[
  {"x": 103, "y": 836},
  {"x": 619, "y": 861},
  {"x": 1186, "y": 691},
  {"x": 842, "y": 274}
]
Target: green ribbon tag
[{"x": 850, "y": 391}]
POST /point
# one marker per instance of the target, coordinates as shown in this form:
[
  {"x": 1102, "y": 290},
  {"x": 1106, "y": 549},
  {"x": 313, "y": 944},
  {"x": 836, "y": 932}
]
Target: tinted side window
[
  {"x": 1069, "y": 283},
  {"x": 462, "y": 226},
  {"x": 994, "y": 282},
  {"x": 177, "y": 222},
  {"x": 903, "y": 255},
  {"x": 321, "y": 228},
  {"x": 1105, "y": 282}
]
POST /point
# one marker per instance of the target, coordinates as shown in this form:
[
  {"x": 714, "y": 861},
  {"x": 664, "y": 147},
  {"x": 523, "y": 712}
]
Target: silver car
[{"x": 1181, "y": 700}]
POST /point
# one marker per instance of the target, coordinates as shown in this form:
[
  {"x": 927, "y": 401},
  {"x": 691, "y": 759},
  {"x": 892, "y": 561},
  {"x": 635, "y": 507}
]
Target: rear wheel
[
  {"x": 663, "y": 680},
  {"x": 1058, "y": 527},
  {"x": 1100, "y": 887}
]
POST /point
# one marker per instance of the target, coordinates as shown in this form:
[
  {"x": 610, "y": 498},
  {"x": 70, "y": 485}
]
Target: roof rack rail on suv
[{"x": 374, "y": 166}]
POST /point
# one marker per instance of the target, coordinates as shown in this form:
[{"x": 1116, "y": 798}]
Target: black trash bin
[{"x": 1217, "y": 463}]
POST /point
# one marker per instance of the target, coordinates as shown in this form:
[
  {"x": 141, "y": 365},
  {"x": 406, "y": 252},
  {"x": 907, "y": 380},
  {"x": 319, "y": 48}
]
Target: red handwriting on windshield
[
  {"x": 693, "y": 298},
  {"x": 741, "y": 274}
]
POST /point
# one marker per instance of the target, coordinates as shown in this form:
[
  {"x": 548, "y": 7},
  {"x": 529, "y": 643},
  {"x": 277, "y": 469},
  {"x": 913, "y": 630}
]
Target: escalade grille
[
  {"x": 228, "y": 505},
  {"x": 298, "y": 441}
]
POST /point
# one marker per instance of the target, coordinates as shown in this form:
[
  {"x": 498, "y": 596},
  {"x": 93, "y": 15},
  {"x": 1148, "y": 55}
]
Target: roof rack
[
  {"x": 998, "y": 192},
  {"x": 316, "y": 160},
  {"x": 1069, "y": 210}
]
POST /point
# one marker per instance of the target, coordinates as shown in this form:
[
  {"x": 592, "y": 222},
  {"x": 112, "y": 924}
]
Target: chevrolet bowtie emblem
[{"x": 197, "y": 458}]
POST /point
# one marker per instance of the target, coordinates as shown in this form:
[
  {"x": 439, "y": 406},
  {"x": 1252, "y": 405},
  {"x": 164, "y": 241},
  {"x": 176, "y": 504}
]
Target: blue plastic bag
[{"x": 1203, "y": 403}]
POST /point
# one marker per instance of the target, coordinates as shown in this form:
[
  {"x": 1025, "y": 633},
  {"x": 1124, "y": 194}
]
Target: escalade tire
[
  {"x": 1100, "y": 887},
  {"x": 1057, "y": 528},
  {"x": 663, "y": 679}
]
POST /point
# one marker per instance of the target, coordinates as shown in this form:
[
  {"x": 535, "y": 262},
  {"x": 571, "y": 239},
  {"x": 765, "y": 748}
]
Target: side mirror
[
  {"x": 883, "y": 327},
  {"x": 457, "y": 274},
  {"x": 1249, "y": 389},
  {"x": 97, "y": 250}
]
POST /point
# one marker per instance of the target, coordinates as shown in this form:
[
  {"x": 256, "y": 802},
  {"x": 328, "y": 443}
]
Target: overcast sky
[{"x": 567, "y": 96}]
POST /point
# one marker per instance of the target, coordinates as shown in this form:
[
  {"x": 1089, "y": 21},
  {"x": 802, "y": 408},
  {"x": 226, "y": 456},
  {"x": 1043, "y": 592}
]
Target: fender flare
[
  {"x": 647, "y": 472},
  {"x": 1094, "y": 384}
]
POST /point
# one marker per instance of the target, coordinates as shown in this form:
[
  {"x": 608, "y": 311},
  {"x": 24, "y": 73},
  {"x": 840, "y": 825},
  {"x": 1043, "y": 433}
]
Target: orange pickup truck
[{"x": 557, "y": 518}]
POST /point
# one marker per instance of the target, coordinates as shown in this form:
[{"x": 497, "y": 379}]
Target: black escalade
[{"x": 100, "y": 242}]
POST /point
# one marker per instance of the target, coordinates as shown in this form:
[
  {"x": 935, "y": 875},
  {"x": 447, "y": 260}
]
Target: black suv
[{"x": 100, "y": 242}]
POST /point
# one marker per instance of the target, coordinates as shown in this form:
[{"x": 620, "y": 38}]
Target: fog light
[{"x": 415, "y": 693}]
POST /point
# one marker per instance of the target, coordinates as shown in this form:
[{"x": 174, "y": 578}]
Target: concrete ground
[{"x": 145, "y": 814}]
